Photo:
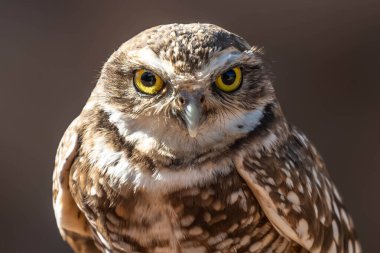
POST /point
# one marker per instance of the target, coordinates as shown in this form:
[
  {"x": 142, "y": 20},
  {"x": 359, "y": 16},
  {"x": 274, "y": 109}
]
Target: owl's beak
[{"x": 191, "y": 111}]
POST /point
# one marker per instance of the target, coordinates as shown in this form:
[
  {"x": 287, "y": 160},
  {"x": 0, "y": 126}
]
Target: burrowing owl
[{"x": 182, "y": 147}]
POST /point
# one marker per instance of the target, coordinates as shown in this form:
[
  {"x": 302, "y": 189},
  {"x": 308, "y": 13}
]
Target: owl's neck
[{"x": 172, "y": 147}]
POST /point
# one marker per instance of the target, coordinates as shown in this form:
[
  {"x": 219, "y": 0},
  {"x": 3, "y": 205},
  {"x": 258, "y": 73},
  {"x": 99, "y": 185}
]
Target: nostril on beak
[
  {"x": 184, "y": 98},
  {"x": 202, "y": 99},
  {"x": 181, "y": 100}
]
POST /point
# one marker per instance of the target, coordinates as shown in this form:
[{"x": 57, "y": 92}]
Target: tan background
[{"x": 325, "y": 56}]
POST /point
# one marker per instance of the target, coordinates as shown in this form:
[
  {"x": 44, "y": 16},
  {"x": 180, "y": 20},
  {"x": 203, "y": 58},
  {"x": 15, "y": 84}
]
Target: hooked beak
[{"x": 191, "y": 111}]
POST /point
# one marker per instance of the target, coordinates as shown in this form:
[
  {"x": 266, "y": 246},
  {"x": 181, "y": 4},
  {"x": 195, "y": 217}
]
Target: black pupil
[
  {"x": 148, "y": 79},
  {"x": 229, "y": 77}
]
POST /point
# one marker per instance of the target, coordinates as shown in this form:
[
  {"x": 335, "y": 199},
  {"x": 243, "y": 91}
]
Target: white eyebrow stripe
[
  {"x": 221, "y": 59},
  {"x": 145, "y": 56}
]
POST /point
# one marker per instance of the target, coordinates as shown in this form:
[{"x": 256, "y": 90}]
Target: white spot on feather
[
  {"x": 350, "y": 247},
  {"x": 245, "y": 240},
  {"x": 332, "y": 248},
  {"x": 187, "y": 220},
  {"x": 269, "y": 141},
  {"x": 293, "y": 197},
  {"x": 195, "y": 231},
  {"x": 345, "y": 218},
  {"x": 315, "y": 210},
  {"x": 289, "y": 182},
  {"x": 302, "y": 228},
  {"x": 335, "y": 231},
  {"x": 357, "y": 247}
]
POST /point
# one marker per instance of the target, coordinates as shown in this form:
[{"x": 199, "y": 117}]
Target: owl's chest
[
  {"x": 218, "y": 216},
  {"x": 221, "y": 215}
]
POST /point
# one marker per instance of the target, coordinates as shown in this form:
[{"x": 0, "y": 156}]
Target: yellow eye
[
  {"x": 230, "y": 80},
  {"x": 147, "y": 82}
]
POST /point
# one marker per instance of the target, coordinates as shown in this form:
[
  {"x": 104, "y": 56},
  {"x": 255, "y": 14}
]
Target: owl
[{"x": 182, "y": 147}]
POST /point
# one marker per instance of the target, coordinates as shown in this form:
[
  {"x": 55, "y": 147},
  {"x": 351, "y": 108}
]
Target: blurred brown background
[{"x": 325, "y": 56}]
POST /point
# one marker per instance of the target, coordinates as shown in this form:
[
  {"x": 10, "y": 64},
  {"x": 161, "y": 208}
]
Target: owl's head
[{"x": 185, "y": 89}]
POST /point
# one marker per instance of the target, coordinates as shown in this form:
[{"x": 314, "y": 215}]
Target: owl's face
[{"x": 176, "y": 89}]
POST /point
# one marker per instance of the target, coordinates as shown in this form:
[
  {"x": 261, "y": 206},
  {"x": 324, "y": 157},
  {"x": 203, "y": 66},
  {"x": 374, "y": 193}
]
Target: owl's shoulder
[{"x": 297, "y": 195}]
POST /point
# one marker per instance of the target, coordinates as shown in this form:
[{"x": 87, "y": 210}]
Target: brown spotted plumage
[{"x": 192, "y": 166}]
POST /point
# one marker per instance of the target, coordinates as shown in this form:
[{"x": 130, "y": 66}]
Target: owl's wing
[
  {"x": 297, "y": 196},
  {"x": 71, "y": 221}
]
